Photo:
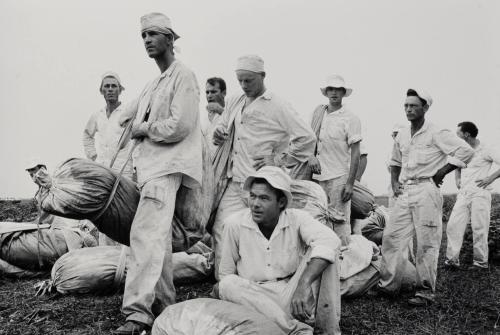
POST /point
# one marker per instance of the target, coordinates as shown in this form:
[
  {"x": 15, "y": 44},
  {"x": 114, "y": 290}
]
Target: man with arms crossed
[
  {"x": 422, "y": 154},
  {"x": 166, "y": 128},
  {"x": 473, "y": 200}
]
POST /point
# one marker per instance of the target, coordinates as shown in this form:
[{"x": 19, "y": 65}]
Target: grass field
[{"x": 468, "y": 302}]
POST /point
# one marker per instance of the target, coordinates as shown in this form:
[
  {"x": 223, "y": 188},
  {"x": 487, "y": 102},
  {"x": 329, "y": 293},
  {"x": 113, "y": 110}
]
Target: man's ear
[
  {"x": 426, "y": 108},
  {"x": 282, "y": 202}
]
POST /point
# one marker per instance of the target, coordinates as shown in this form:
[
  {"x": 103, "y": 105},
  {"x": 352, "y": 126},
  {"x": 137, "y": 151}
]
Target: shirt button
[
  {"x": 267, "y": 248},
  {"x": 268, "y": 264}
]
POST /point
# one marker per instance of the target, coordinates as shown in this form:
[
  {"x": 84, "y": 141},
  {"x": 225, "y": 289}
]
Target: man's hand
[
  {"x": 139, "y": 131},
  {"x": 347, "y": 192},
  {"x": 263, "y": 160},
  {"x": 314, "y": 165},
  {"x": 485, "y": 182},
  {"x": 302, "y": 302},
  {"x": 215, "y": 107},
  {"x": 220, "y": 135},
  {"x": 397, "y": 189},
  {"x": 438, "y": 177},
  {"x": 124, "y": 120}
]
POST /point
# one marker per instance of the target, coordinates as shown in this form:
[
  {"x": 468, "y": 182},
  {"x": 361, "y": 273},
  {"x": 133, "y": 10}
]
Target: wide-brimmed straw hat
[{"x": 336, "y": 81}]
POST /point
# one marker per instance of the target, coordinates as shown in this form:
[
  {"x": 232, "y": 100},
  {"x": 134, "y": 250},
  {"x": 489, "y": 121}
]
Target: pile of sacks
[
  {"x": 28, "y": 250},
  {"x": 103, "y": 269}
]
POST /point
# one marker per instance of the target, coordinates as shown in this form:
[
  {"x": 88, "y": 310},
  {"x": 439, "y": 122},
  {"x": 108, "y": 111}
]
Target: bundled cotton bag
[
  {"x": 362, "y": 201},
  {"x": 206, "y": 316},
  {"x": 81, "y": 188},
  {"x": 26, "y": 246},
  {"x": 103, "y": 269}
]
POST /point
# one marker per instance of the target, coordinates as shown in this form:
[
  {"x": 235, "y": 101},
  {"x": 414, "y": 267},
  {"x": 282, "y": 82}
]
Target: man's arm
[
  {"x": 183, "y": 110},
  {"x": 458, "y": 178},
  {"x": 353, "y": 170},
  {"x": 494, "y": 157},
  {"x": 229, "y": 254},
  {"x": 88, "y": 138},
  {"x": 395, "y": 184},
  {"x": 459, "y": 151},
  {"x": 363, "y": 161}
]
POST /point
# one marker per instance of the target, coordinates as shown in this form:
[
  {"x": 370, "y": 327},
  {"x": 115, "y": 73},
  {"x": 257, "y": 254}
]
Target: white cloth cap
[
  {"x": 157, "y": 22},
  {"x": 32, "y": 163},
  {"x": 112, "y": 75},
  {"x": 276, "y": 177},
  {"x": 423, "y": 95},
  {"x": 251, "y": 63},
  {"x": 336, "y": 81}
]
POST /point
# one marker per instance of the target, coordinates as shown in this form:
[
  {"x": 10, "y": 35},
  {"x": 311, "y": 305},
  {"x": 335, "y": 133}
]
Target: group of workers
[{"x": 267, "y": 256}]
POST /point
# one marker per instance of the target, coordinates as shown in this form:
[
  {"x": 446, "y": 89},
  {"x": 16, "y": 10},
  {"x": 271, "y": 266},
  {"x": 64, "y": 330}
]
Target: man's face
[
  {"x": 214, "y": 93},
  {"x": 32, "y": 172},
  {"x": 335, "y": 95},
  {"x": 110, "y": 89},
  {"x": 414, "y": 108},
  {"x": 251, "y": 83},
  {"x": 264, "y": 204},
  {"x": 461, "y": 134},
  {"x": 156, "y": 43}
]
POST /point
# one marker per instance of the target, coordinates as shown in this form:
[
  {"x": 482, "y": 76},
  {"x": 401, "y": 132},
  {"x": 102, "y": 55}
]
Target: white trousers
[
  {"x": 418, "y": 211},
  {"x": 234, "y": 199},
  {"x": 333, "y": 189},
  {"x": 273, "y": 299},
  {"x": 474, "y": 207},
  {"x": 149, "y": 286}
]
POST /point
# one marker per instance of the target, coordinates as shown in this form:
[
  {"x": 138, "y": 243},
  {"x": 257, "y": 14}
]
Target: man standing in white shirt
[
  {"x": 215, "y": 90},
  {"x": 273, "y": 257},
  {"x": 168, "y": 154},
  {"x": 267, "y": 132},
  {"x": 336, "y": 161},
  {"x": 473, "y": 200},
  {"x": 103, "y": 131},
  {"x": 422, "y": 155}
]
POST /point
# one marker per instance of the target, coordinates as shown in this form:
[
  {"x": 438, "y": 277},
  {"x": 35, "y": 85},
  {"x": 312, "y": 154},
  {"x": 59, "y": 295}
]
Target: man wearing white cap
[
  {"x": 473, "y": 200},
  {"x": 103, "y": 131},
  {"x": 273, "y": 257},
  {"x": 421, "y": 157},
  {"x": 336, "y": 161},
  {"x": 267, "y": 131},
  {"x": 168, "y": 154}
]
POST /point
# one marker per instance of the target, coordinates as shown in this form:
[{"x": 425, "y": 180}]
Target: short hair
[
  {"x": 216, "y": 80},
  {"x": 279, "y": 193},
  {"x": 413, "y": 93},
  {"x": 468, "y": 127}
]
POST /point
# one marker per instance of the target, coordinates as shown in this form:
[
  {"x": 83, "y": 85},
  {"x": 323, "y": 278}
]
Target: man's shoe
[
  {"x": 449, "y": 264},
  {"x": 419, "y": 301},
  {"x": 132, "y": 328},
  {"x": 475, "y": 267}
]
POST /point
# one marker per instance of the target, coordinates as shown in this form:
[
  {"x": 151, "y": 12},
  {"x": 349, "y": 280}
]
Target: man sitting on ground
[{"x": 272, "y": 257}]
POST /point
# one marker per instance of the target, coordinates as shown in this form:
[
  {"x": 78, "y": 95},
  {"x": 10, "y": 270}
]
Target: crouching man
[{"x": 274, "y": 258}]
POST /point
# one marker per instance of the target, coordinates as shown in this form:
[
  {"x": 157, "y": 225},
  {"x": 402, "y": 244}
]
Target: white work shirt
[
  {"x": 479, "y": 167},
  {"x": 174, "y": 139},
  {"x": 268, "y": 126},
  {"x": 339, "y": 130},
  {"x": 422, "y": 155},
  {"x": 249, "y": 254},
  {"x": 100, "y": 140}
]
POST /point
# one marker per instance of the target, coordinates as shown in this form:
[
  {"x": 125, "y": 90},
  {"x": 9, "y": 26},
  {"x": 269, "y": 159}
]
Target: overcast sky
[{"x": 54, "y": 53}]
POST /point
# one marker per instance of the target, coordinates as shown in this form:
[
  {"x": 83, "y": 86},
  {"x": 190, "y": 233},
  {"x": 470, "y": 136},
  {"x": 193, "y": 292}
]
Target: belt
[{"x": 416, "y": 181}]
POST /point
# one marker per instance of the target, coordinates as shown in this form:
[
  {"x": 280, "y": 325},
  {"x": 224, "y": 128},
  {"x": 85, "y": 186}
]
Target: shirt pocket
[{"x": 424, "y": 154}]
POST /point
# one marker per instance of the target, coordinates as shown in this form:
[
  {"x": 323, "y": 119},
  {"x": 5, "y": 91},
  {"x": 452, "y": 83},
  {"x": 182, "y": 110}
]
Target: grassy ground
[{"x": 468, "y": 302}]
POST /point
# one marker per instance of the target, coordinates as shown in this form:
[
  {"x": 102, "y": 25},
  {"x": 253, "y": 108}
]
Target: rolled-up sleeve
[
  {"x": 493, "y": 155},
  {"x": 88, "y": 138},
  {"x": 302, "y": 138},
  {"x": 229, "y": 255},
  {"x": 353, "y": 130},
  {"x": 396, "y": 156},
  {"x": 322, "y": 241},
  {"x": 459, "y": 152},
  {"x": 183, "y": 109}
]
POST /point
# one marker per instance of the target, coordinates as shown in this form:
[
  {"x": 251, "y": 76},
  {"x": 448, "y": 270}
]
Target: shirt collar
[
  {"x": 282, "y": 221},
  {"x": 171, "y": 68},
  {"x": 424, "y": 128},
  {"x": 341, "y": 110}
]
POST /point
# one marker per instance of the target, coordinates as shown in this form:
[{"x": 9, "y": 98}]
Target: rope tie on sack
[{"x": 120, "y": 268}]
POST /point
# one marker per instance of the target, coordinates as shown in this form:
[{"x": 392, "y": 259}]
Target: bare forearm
[
  {"x": 363, "y": 161},
  {"x": 395, "y": 172},
  {"x": 314, "y": 269},
  {"x": 353, "y": 169}
]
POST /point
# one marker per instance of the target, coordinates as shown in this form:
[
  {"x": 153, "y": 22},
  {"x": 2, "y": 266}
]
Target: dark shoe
[
  {"x": 419, "y": 301},
  {"x": 449, "y": 264},
  {"x": 131, "y": 328}
]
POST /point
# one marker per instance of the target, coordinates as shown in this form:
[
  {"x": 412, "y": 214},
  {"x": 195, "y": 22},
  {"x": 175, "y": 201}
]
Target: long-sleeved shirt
[
  {"x": 247, "y": 253},
  {"x": 428, "y": 150},
  {"x": 339, "y": 130},
  {"x": 174, "y": 140},
  {"x": 267, "y": 126},
  {"x": 100, "y": 140},
  {"x": 479, "y": 167}
]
